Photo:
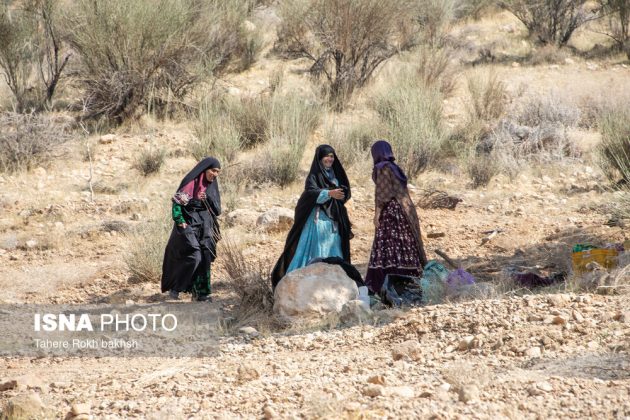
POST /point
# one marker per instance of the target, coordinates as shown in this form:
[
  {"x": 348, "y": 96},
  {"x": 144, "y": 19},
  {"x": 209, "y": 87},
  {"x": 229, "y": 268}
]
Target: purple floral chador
[{"x": 397, "y": 246}]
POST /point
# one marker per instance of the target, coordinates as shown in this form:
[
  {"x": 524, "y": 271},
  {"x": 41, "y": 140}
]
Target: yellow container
[{"x": 605, "y": 257}]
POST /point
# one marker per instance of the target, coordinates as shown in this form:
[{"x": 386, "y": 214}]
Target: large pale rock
[
  {"x": 276, "y": 218},
  {"x": 314, "y": 290},
  {"x": 26, "y": 406},
  {"x": 242, "y": 217}
]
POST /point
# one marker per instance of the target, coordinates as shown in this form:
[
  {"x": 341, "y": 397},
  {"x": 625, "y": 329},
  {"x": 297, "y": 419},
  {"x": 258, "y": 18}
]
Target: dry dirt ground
[{"x": 558, "y": 354}]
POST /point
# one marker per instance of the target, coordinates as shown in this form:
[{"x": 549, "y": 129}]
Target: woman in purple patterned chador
[{"x": 397, "y": 247}]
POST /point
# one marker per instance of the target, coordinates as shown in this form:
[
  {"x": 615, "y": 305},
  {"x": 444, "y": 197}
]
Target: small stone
[
  {"x": 409, "y": 349},
  {"x": 468, "y": 393},
  {"x": 623, "y": 317},
  {"x": 559, "y": 320},
  {"x": 30, "y": 244},
  {"x": 353, "y": 406},
  {"x": 465, "y": 343},
  {"x": 247, "y": 373},
  {"x": 82, "y": 408},
  {"x": 533, "y": 352},
  {"x": 107, "y": 139},
  {"x": 377, "y": 379},
  {"x": 578, "y": 317},
  {"x": 558, "y": 300},
  {"x": 269, "y": 413},
  {"x": 445, "y": 387},
  {"x": 544, "y": 386},
  {"x": 251, "y": 331},
  {"x": 373, "y": 390},
  {"x": 434, "y": 235},
  {"x": 400, "y": 391}
]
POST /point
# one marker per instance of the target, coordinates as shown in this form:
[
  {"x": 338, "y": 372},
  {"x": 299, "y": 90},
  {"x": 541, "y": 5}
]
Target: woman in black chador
[
  {"x": 321, "y": 227},
  {"x": 191, "y": 249}
]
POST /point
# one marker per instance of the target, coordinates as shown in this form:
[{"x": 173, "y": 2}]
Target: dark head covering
[
  {"x": 213, "y": 198},
  {"x": 383, "y": 155},
  {"x": 318, "y": 179}
]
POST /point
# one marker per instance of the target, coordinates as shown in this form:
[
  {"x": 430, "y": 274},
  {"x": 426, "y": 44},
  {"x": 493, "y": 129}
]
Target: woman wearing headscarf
[
  {"x": 321, "y": 227},
  {"x": 397, "y": 246},
  {"x": 191, "y": 248}
]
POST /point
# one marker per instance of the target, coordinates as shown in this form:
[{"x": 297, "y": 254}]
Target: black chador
[
  {"x": 191, "y": 249},
  {"x": 318, "y": 179}
]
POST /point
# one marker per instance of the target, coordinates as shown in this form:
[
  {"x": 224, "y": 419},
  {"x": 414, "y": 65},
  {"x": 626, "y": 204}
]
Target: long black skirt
[{"x": 189, "y": 253}]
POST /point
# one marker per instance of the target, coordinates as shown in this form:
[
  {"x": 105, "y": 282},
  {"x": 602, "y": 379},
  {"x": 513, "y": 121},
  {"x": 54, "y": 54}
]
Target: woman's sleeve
[
  {"x": 323, "y": 197},
  {"x": 177, "y": 214}
]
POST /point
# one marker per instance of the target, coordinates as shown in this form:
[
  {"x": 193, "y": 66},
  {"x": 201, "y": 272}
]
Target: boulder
[
  {"x": 242, "y": 217},
  {"x": 313, "y": 291},
  {"x": 275, "y": 219},
  {"x": 25, "y": 406}
]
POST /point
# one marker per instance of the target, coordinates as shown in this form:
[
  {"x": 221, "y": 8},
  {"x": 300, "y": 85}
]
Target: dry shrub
[
  {"x": 150, "y": 160},
  {"x": 434, "y": 18},
  {"x": 27, "y": 140},
  {"x": 251, "y": 118},
  {"x": 345, "y": 40},
  {"x": 140, "y": 54},
  {"x": 215, "y": 132},
  {"x": 550, "y": 108},
  {"x": 32, "y": 54},
  {"x": 481, "y": 169},
  {"x": 618, "y": 28},
  {"x": 352, "y": 144},
  {"x": 435, "y": 68},
  {"x": 550, "y": 21},
  {"x": 488, "y": 97},
  {"x": 614, "y": 150},
  {"x": 412, "y": 115},
  {"x": 249, "y": 279},
  {"x": 547, "y": 54},
  {"x": 145, "y": 249},
  {"x": 292, "y": 120}
]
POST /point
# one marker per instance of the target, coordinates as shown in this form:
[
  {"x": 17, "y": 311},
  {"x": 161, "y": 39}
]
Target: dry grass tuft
[
  {"x": 250, "y": 280},
  {"x": 145, "y": 250},
  {"x": 150, "y": 160}
]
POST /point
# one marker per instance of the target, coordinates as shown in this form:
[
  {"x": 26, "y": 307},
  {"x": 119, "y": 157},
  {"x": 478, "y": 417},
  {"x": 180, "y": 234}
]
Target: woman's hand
[
  {"x": 183, "y": 225},
  {"x": 202, "y": 195},
  {"x": 336, "y": 194}
]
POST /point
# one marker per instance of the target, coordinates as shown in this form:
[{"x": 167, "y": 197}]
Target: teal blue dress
[{"x": 319, "y": 238}]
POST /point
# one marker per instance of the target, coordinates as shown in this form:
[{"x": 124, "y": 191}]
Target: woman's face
[
  {"x": 212, "y": 173},
  {"x": 328, "y": 160}
]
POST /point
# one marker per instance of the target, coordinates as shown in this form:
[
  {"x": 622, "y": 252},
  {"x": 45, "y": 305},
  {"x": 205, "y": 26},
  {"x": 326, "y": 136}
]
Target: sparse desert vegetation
[{"x": 510, "y": 119}]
